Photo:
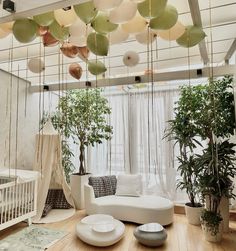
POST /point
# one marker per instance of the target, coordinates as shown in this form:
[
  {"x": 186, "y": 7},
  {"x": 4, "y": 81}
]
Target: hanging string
[
  {"x": 17, "y": 121},
  {"x": 26, "y": 82},
  {"x": 10, "y": 107}
]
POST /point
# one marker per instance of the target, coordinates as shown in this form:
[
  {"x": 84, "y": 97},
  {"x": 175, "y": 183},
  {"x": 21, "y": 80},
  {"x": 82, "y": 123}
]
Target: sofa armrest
[{"x": 88, "y": 198}]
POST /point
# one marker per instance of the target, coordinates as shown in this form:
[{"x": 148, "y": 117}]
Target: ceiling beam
[
  {"x": 230, "y": 52},
  {"x": 197, "y": 20},
  {"x": 158, "y": 77},
  {"x": 37, "y": 7}
]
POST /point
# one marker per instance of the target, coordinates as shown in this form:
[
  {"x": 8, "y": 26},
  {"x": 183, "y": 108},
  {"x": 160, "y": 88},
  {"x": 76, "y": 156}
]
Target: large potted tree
[
  {"x": 84, "y": 115},
  {"x": 183, "y": 131}
]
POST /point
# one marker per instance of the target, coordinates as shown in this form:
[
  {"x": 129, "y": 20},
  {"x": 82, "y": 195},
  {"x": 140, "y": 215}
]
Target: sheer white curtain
[{"x": 139, "y": 119}]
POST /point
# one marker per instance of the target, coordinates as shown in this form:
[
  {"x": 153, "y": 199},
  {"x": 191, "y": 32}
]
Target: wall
[{"x": 19, "y": 121}]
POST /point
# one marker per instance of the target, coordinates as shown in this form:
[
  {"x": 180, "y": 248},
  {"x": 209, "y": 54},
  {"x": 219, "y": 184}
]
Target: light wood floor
[{"x": 181, "y": 237}]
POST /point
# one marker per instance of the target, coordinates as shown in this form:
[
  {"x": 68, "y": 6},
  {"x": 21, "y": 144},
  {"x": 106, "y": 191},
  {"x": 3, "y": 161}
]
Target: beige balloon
[
  {"x": 173, "y": 33},
  {"x": 78, "y": 41},
  {"x": 135, "y": 25},
  {"x": 118, "y": 36},
  {"x": 7, "y": 27},
  {"x": 65, "y": 18},
  {"x": 36, "y": 65},
  {"x": 104, "y": 5},
  {"x": 146, "y": 37},
  {"x": 137, "y": 1},
  {"x": 3, "y": 33},
  {"x": 79, "y": 28},
  {"x": 123, "y": 13}
]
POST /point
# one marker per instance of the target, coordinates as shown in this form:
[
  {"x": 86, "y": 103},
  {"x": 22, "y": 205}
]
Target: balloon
[
  {"x": 65, "y": 17},
  {"x": 131, "y": 58},
  {"x": 123, "y": 13},
  {"x": 166, "y": 20},
  {"x": 106, "y": 4},
  {"x": 191, "y": 37},
  {"x": 135, "y": 25},
  {"x": 25, "y": 30},
  {"x": 7, "y": 27},
  {"x": 152, "y": 8},
  {"x": 78, "y": 41},
  {"x": 98, "y": 44},
  {"x": 118, "y": 36},
  {"x": 146, "y": 37},
  {"x": 79, "y": 28},
  {"x": 83, "y": 53},
  {"x": 36, "y": 65},
  {"x": 96, "y": 67},
  {"x": 173, "y": 33},
  {"x": 75, "y": 70},
  {"x": 137, "y": 1},
  {"x": 101, "y": 24},
  {"x": 49, "y": 40},
  {"x": 3, "y": 33},
  {"x": 44, "y": 19},
  {"x": 42, "y": 30},
  {"x": 58, "y": 32},
  {"x": 69, "y": 50},
  {"x": 86, "y": 11}
]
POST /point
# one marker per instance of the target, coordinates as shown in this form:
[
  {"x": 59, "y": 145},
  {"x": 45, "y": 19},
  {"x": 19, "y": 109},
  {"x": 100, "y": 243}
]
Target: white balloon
[
  {"x": 118, "y": 36},
  {"x": 79, "y": 41},
  {"x": 146, "y": 37},
  {"x": 36, "y": 65},
  {"x": 79, "y": 28},
  {"x": 7, "y": 27},
  {"x": 135, "y": 25},
  {"x": 106, "y": 4},
  {"x": 3, "y": 33},
  {"x": 123, "y": 13},
  {"x": 137, "y": 1},
  {"x": 173, "y": 33},
  {"x": 131, "y": 58},
  {"x": 65, "y": 17}
]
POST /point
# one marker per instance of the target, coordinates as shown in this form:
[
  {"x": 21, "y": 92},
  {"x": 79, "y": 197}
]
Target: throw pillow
[
  {"x": 129, "y": 185},
  {"x": 103, "y": 185}
]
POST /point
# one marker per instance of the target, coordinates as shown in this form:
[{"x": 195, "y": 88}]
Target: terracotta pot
[{"x": 193, "y": 214}]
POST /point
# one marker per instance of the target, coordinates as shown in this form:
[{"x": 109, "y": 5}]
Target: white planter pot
[
  {"x": 211, "y": 237},
  {"x": 193, "y": 214},
  {"x": 77, "y": 183}
]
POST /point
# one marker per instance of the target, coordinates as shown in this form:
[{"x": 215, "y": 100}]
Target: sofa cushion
[
  {"x": 129, "y": 185},
  {"x": 103, "y": 185}
]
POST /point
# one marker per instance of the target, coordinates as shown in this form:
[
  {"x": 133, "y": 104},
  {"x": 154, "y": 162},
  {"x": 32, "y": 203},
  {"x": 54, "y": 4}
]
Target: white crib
[{"x": 18, "y": 196}]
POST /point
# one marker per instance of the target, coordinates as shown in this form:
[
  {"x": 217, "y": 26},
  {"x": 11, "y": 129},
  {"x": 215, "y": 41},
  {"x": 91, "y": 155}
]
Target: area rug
[{"x": 32, "y": 238}]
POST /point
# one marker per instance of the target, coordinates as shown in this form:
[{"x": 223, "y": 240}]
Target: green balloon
[
  {"x": 152, "y": 8},
  {"x": 58, "y": 32},
  {"x": 101, "y": 24},
  {"x": 25, "y": 30},
  {"x": 166, "y": 20},
  {"x": 96, "y": 67},
  {"x": 44, "y": 19},
  {"x": 191, "y": 37},
  {"x": 86, "y": 11},
  {"x": 98, "y": 44}
]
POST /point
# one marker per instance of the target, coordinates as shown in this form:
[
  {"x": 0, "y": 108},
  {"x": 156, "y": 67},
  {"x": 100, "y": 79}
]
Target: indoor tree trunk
[{"x": 81, "y": 159}]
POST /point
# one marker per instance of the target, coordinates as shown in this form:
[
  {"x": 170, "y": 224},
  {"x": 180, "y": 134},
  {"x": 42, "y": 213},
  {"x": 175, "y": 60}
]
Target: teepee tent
[{"x": 48, "y": 161}]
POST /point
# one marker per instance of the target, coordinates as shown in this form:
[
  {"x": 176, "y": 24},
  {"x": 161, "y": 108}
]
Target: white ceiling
[{"x": 221, "y": 28}]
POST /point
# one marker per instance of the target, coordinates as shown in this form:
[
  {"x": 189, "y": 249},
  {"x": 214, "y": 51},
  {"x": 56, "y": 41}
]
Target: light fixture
[{"x": 8, "y": 5}]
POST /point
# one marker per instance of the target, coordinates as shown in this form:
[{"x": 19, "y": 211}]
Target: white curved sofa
[{"x": 142, "y": 209}]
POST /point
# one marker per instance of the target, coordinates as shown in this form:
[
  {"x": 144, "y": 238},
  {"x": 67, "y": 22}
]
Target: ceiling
[{"x": 220, "y": 30}]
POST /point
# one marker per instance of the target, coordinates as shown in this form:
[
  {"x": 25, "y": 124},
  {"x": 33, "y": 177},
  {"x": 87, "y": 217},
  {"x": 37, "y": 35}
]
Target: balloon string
[{"x": 26, "y": 83}]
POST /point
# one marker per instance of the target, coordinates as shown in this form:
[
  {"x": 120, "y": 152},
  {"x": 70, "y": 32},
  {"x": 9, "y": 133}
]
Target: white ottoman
[{"x": 100, "y": 230}]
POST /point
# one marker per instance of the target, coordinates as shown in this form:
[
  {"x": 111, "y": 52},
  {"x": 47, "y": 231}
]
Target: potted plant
[
  {"x": 84, "y": 115},
  {"x": 183, "y": 131}
]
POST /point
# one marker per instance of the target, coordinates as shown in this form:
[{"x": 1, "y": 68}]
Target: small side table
[{"x": 151, "y": 234}]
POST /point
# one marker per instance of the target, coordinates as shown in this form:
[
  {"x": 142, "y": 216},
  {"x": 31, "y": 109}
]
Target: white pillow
[{"x": 129, "y": 185}]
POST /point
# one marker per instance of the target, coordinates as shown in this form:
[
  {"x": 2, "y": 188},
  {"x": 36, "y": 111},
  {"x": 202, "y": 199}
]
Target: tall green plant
[{"x": 84, "y": 115}]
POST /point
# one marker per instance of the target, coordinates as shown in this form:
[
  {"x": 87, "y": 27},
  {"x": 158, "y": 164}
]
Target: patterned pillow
[
  {"x": 46, "y": 210},
  {"x": 57, "y": 199},
  {"x": 103, "y": 185}
]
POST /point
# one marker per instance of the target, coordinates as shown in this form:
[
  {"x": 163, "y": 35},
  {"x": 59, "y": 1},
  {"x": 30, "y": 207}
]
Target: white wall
[{"x": 28, "y": 122}]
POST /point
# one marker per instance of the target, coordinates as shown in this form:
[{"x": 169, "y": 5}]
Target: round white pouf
[
  {"x": 151, "y": 234},
  {"x": 88, "y": 235}
]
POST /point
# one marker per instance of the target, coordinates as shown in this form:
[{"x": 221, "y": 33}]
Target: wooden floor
[{"x": 181, "y": 237}]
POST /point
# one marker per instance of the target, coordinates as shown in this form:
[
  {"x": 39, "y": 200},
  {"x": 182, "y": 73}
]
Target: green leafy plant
[
  {"x": 82, "y": 115},
  {"x": 211, "y": 220}
]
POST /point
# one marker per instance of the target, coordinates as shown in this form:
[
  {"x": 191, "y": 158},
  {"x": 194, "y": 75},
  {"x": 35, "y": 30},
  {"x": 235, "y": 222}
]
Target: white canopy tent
[{"x": 48, "y": 163}]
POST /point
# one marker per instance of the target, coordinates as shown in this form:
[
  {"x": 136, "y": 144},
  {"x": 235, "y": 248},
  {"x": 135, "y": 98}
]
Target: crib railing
[{"x": 17, "y": 201}]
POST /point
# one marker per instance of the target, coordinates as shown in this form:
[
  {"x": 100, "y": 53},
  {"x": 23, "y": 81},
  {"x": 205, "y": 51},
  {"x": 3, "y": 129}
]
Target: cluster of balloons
[{"x": 95, "y": 25}]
